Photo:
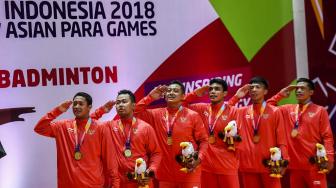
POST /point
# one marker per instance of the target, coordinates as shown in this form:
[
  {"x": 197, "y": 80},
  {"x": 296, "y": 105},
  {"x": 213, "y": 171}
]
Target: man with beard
[
  {"x": 306, "y": 124},
  {"x": 82, "y": 145},
  {"x": 220, "y": 165},
  {"x": 132, "y": 138},
  {"x": 175, "y": 124},
  {"x": 262, "y": 128}
]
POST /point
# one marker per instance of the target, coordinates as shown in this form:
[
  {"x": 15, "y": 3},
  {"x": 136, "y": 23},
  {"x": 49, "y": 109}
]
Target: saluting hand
[
  {"x": 158, "y": 92},
  {"x": 63, "y": 107},
  {"x": 202, "y": 90},
  {"x": 108, "y": 106},
  {"x": 285, "y": 92},
  {"x": 242, "y": 91}
]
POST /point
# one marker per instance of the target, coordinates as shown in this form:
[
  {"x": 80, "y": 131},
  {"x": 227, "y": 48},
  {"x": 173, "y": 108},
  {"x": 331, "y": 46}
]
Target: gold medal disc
[
  {"x": 256, "y": 138},
  {"x": 212, "y": 139},
  {"x": 128, "y": 153},
  {"x": 170, "y": 140},
  {"x": 78, "y": 155},
  {"x": 294, "y": 133}
]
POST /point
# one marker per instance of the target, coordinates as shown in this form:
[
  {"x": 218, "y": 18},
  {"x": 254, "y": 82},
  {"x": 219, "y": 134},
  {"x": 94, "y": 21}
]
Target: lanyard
[
  {"x": 169, "y": 124},
  {"x": 256, "y": 125},
  {"x": 212, "y": 124},
  {"x": 77, "y": 142},
  {"x": 128, "y": 138},
  {"x": 299, "y": 114}
]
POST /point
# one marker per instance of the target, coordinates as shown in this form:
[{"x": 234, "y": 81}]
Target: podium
[{"x": 2, "y": 151}]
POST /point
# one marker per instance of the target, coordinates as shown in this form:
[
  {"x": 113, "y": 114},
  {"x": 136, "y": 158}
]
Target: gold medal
[
  {"x": 212, "y": 139},
  {"x": 78, "y": 155},
  {"x": 256, "y": 138},
  {"x": 128, "y": 153},
  {"x": 170, "y": 140},
  {"x": 294, "y": 133}
]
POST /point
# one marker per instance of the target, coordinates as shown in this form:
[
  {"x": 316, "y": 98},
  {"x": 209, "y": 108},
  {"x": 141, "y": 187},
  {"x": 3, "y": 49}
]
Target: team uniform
[
  {"x": 84, "y": 166},
  {"x": 220, "y": 166},
  {"x": 312, "y": 127},
  {"x": 262, "y": 128},
  {"x": 173, "y": 126}
]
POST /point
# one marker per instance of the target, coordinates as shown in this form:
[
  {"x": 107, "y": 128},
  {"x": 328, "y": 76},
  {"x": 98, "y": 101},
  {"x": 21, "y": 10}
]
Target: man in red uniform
[
  {"x": 306, "y": 124},
  {"x": 220, "y": 165},
  {"x": 262, "y": 128},
  {"x": 175, "y": 124},
  {"x": 82, "y": 145},
  {"x": 132, "y": 138}
]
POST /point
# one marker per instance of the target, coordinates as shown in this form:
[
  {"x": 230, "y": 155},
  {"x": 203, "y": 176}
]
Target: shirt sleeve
[
  {"x": 281, "y": 134},
  {"x": 326, "y": 134},
  {"x": 97, "y": 114},
  {"x": 108, "y": 158},
  {"x": 233, "y": 100},
  {"x": 46, "y": 126},
  {"x": 142, "y": 112},
  {"x": 201, "y": 136},
  {"x": 153, "y": 150},
  {"x": 275, "y": 99}
]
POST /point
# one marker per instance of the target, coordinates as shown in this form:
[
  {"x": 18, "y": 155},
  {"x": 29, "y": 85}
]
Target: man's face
[
  {"x": 174, "y": 94},
  {"x": 216, "y": 93},
  {"x": 302, "y": 92},
  {"x": 257, "y": 92},
  {"x": 80, "y": 107},
  {"x": 124, "y": 105}
]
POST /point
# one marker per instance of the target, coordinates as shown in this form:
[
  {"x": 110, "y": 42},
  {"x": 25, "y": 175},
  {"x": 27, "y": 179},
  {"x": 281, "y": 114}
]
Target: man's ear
[
  {"x": 225, "y": 93},
  {"x": 266, "y": 91},
  {"x": 90, "y": 106},
  {"x": 311, "y": 92}
]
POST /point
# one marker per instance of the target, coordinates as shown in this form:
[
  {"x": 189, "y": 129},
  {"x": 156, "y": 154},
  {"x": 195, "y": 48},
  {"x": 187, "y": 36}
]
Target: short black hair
[
  {"x": 259, "y": 80},
  {"x": 310, "y": 83},
  {"x": 220, "y": 82},
  {"x": 178, "y": 83},
  {"x": 87, "y": 97},
  {"x": 128, "y": 92}
]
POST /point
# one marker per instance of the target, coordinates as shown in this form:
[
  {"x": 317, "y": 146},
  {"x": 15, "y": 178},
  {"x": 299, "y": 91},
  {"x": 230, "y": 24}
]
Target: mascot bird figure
[
  {"x": 320, "y": 159},
  {"x": 188, "y": 154},
  {"x": 275, "y": 163},
  {"x": 140, "y": 172},
  {"x": 230, "y": 135}
]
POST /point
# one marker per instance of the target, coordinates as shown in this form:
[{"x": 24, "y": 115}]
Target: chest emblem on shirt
[
  {"x": 224, "y": 117},
  {"x": 115, "y": 129},
  {"x": 183, "y": 119},
  {"x": 91, "y": 132},
  {"x": 247, "y": 116},
  {"x": 70, "y": 130},
  {"x": 265, "y": 116},
  {"x": 135, "y": 130},
  {"x": 311, "y": 114},
  {"x": 206, "y": 113}
]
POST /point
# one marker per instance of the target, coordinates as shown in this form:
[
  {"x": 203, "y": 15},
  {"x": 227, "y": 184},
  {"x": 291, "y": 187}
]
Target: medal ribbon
[
  {"x": 128, "y": 138},
  {"x": 170, "y": 124},
  {"x": 212, "y": 124},
  {"x": 77, "y": 142},
  {"x": 299, "y": 114},
  {"x": 254, "y": 124}
]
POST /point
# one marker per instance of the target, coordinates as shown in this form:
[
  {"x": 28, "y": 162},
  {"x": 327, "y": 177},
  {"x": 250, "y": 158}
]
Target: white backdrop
[{"x": 31, "y": 159}]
